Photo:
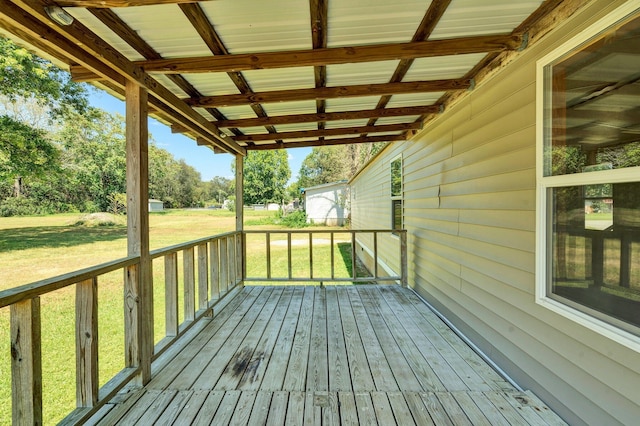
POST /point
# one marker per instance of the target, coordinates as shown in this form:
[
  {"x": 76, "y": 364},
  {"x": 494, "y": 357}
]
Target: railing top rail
[
  {"x": 322, "y": 231},
  {"x": 189, "y": 244},
  {"x": 38, "y": 288}
]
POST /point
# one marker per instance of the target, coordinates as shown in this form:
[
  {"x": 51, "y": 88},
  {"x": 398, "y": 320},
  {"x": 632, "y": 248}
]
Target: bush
[
  {"x": 296, "y": 219},
  {"x": 21, "y": 206}
]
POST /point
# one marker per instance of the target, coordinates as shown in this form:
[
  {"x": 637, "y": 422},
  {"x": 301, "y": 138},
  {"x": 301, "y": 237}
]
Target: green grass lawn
[{"x": 34, "y": 248}]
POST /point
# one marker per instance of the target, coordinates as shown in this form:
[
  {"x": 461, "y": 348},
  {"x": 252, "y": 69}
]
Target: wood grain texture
[
  {"x": 280, "y": 356},
  {"x": 26, "y": 362},
  {"x": 329, "y": 93},
  {"x": 331, "y": 56},
  {"x": 87, "y": 343}
]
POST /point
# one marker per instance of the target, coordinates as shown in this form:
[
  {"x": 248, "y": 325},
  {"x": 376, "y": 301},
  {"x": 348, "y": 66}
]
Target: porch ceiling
[{"x": 238, "y": 75}]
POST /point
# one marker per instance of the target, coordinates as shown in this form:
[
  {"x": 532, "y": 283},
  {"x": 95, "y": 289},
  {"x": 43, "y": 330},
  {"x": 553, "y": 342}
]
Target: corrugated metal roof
[{"x": 254, "y": 27}]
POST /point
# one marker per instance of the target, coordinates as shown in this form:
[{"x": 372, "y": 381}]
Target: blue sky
[{"x": 200, "y": 157}]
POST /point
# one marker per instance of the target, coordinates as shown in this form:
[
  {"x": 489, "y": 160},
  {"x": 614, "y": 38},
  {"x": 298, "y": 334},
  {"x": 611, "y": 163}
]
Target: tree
[
  {"x": 24, "y": 151},
  {"x": 266, "y": 174},
  {"x": 333, "y": 163},
  {"x": 323, "y": 165},
  {"x": 25, "y": 75},
  {"x": 94, "y": 156}
]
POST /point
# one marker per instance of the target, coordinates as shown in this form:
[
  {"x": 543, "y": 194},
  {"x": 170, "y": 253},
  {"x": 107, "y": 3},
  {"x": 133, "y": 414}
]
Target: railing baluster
[
  {"x": 131, "y": 316},
  {"x": 224, "y": 266},
  {"x": 375, "y": 254},
  {"x": 310, "y": 255},
  {"x": 353, "y": 255},
  {"x": 268, "y": 244},
  {"x": 189, "y": 284},
  {"x": 203, "y": 277},
  {"x": 214, "y": 264},
  {"x": 403, "y": 259},
  {"x": 232, "y": 261},
  {"x": 333, "y": 268},
  {"x": 26, "y": 362},
  {"x": 289, "y": 254},
  {"x": 87, "y": 343},
  {"x": 171, "y": 293},
  {"x": 239, "y": 259}
]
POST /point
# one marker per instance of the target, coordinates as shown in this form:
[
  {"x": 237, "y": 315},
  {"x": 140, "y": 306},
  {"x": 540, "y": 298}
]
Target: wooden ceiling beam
[
  {"x": 329, "y": 116},
  {"x": 325, "y": 142},
  {"x": 119, "y": 3},
  {"x": 91, "y": 51},
  {"x": 332, "y": 56},
  {"x": 328, "y": 132},
  {"x": 330, "y": 93},
  {"x": 319, "y": 10}
]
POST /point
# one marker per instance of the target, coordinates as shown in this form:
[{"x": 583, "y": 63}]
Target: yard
[{"x": 34, "y": 248}]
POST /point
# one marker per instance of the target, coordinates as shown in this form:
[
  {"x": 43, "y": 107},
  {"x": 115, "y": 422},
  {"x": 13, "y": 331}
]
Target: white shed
[
  {"x": 327, "y": 204},
  {"x": 156, "y": 205}
]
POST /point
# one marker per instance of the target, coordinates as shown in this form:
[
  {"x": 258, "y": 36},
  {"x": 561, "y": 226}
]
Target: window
[
  {"x": 589, "y": 176},
  {"x": 396, "y": 194}
]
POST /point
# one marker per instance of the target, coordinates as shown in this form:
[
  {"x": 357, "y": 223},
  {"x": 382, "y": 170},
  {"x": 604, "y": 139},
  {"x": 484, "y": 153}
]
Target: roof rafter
[
  {"x": 429, "y": 21},
  {"x": 333, "y": 55},
  {"x": 329, "y": 132},
  {"x": 207, "y": 32},
  {"x": 326, "y": 142},
  {"x": 330, "y": 93},
  {"x": 329, "y": 116},
  {"x": 119, "y": 3},
  {"x": 319, "y": 11}
]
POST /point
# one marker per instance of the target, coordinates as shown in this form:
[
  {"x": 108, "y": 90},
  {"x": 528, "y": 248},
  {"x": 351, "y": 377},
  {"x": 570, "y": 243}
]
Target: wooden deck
[{"x": 335, "y": 355}]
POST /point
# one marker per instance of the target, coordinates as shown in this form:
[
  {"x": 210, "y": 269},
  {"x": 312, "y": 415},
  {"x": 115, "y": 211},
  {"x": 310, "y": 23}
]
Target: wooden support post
[
  {"x": 203, "y": 277},
  {"x": 171, "y": 294},
  {"x": 87, "y": 343},
  {"x": 404, "y": 279},
  {"x": 240, "y": 212},
  {"x": 138, "y": 229},
  {"x": 189, "y": 276},
  {"x": 26, "y": 363},
  {"x": 214, "y": 264}
]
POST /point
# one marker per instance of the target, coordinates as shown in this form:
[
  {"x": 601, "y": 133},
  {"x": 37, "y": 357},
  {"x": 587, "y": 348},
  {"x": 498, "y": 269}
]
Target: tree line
[{"x": 59, "y": 154}]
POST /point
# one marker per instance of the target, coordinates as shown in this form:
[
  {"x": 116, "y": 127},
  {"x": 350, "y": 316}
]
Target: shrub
[
  {"x": 296, "y": 219},
  {"x": 20, "y": 206}
]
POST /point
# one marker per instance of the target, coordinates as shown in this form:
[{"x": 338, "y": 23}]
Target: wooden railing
[
  {"x": 214, "y": 263},
  {"x": 299, "y": 247},
  {"x": 212, "y": 268}
]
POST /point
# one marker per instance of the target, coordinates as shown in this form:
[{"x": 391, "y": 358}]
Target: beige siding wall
[
  {"x": 371, "y": 198},
  {"x": 469, "y": 208}
]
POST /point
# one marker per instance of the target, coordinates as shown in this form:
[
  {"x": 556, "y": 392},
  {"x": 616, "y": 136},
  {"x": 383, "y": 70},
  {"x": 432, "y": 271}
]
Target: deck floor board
[{"x": 321, "y": 356}]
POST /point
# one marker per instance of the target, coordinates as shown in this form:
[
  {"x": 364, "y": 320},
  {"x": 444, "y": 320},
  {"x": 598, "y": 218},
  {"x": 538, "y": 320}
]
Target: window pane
[
  {"x": 596, "y": 248},
  {"x": 396, "y": 205},
  {"x": 396, "y": 178},
  {"x": 593, "y": 108}
]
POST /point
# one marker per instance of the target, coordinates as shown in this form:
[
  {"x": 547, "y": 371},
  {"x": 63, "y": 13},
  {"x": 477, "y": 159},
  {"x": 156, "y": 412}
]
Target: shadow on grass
[
  {"x": 345, "y": 252},
  {"x": 58, "y": 236}
]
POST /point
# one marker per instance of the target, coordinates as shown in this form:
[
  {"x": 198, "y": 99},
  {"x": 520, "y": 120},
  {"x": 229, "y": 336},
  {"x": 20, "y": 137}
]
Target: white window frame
[{"x": 544, "y": 183}]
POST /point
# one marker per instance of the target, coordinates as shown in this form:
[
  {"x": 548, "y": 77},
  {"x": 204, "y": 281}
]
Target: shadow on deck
[{"x": 335, "y": 355}]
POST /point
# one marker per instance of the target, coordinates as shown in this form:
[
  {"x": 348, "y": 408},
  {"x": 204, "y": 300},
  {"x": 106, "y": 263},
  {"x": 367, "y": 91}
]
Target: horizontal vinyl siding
[
  {"x": 371, "y": 209},
  {"x": 469, "y": 209}
]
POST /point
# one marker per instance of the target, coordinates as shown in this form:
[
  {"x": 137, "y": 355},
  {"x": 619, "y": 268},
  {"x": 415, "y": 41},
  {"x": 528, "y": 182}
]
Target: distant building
[
  {"x": 156, "y": 205},
  {"x": 327, "y": 204}
]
